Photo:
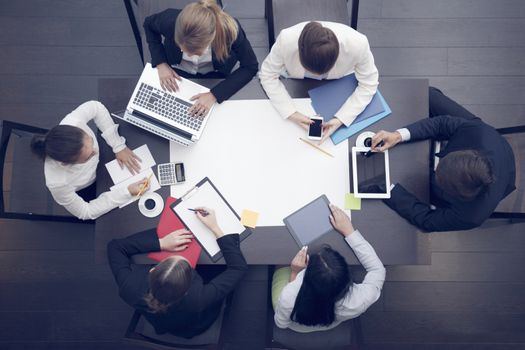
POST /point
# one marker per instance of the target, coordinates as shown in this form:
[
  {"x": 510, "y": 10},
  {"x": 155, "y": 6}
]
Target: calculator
[{"x": 171, "y": 173}]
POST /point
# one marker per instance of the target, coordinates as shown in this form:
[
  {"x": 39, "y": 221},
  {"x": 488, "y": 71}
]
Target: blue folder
[
  {"x": 330, "y": 97},
  {"x": 344, "y": 133}
]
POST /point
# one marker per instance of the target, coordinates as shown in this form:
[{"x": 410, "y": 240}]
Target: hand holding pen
[
  {"x": 208, "y": 218},
  {"x": 138, "y": 188}
]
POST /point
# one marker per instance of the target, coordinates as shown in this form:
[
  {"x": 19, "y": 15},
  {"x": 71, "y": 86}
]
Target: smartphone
[{"x": 316, "y": 128}]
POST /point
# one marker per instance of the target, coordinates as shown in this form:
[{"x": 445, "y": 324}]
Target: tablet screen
[
  {"x": 371, "y": 171},
  {"x": 310, "y": 222}
]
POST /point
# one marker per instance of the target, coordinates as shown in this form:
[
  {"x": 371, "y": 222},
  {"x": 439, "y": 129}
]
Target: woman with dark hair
[
  {"x": 172, "y": 296},
  {"x": 70, "y": 153},
  {"x": 317, "y": 293}
]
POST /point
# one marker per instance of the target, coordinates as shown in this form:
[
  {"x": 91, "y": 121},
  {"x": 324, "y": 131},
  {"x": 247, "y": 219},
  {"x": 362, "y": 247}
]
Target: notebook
[
  {"x": 168, "y": 223},
  {"x": 205, "y": 194},
  {"x": 119, "y": 174}
]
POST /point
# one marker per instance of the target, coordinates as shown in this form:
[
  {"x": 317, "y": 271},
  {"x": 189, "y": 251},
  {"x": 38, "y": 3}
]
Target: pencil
[
  {"x": 144, "y": 186},
  {"x": 315, "y": 146}
]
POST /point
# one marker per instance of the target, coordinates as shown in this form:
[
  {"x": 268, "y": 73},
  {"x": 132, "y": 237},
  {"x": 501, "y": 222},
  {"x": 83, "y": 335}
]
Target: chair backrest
[
  {"x": 141, "y": 332},
  {"x": 24, "y": 194},
  {"x": 286, "y": 13},
  {"x": 513, "y": 206},
  {"x": 138, "y": 10}
]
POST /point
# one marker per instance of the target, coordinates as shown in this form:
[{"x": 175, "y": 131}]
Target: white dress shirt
[
  {"x": 197, "y": 64},
  {"x": 64, "y": 180},
  {"x": 358, "y": 298},
  {"x": 354, "y": 57}
]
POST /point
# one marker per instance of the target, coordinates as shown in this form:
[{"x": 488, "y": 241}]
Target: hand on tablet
[
  {"x": 341, "y": 221},
  {"x": 210, "y": 220},
  {"x": 299, "y": 262},
  {"x": 176, "y": 241},
  {"x": 390, "y": 139}
]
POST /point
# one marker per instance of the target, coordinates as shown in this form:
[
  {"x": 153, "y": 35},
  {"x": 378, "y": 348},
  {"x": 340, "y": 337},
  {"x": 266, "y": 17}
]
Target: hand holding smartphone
[{"x": 315, "y": 131}]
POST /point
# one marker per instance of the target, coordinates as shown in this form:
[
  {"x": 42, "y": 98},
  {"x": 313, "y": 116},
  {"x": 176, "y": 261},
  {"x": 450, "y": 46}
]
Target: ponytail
[
  {"x": 38, "y": 145},
  {"x": 205, "y": 23},
  {"x": 62, "y": 143}
]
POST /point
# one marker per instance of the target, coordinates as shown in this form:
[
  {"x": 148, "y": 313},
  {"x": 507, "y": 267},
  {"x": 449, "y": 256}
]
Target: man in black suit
[
  {"x": 171, "y": 295},
  {"x": 475, "y": 170}
]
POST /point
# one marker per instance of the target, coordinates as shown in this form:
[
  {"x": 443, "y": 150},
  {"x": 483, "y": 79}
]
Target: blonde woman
[{"x": 200, "y": 41}]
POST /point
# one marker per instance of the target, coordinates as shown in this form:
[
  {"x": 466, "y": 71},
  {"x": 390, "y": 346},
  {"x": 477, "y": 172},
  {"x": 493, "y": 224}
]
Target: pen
[
  {"x": 369, "y": 153},
  {"x": 315, "y": 146},
  {"x": 144, "y": 185},
  {"x": 203, "y": 212}
]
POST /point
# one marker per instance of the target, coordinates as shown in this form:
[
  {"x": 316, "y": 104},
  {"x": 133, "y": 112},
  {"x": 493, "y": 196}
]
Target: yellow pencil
[
  {"x": 144, "y": 185},
  {"x": 315, "y": 146}
]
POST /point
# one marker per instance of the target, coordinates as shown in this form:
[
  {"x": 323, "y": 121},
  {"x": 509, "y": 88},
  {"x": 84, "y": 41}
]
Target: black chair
[
  {"x": 138, "y": 10},
  {"x": 346, "y": 336},
  {"x": 286, "y": 13},
  {"x": 24, "y": 194},
  {"x": 141, "y": 332},
  {"x": 513, "y": 206}
]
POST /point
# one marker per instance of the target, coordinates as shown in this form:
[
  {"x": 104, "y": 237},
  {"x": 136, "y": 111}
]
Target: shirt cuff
[
  {"x": 405, "y": 134},
  {"x": 354, "y": 238},
  {"x": 113, "y": 139},
  {"x": 121, "y": 195}
]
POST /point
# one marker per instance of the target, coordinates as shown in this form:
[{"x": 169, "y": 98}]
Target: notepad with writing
[{"x": 168, "y": 223}]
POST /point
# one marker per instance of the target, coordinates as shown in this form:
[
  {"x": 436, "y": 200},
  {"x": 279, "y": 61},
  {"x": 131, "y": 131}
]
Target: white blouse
[
  {"x": 64, "y": 180},
  {"x": 359, "y": 297}
]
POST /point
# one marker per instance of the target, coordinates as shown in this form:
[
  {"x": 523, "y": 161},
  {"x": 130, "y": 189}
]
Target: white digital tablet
[{"x": 370, "y": 173}]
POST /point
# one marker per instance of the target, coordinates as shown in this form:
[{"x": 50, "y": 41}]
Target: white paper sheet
[
  {"x": 118, "y": 175},
  {"x": 153, "y": 185},
  {"x": 206, "y": 196},
  {"x": 258, "y": 162}
]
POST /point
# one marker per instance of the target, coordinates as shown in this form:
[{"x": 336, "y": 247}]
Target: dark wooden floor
[{"x": 472, "y": 296}]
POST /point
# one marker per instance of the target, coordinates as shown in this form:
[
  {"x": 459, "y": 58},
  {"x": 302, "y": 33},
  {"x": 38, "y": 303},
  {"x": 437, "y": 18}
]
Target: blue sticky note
[{"x": 330, "y": 97}]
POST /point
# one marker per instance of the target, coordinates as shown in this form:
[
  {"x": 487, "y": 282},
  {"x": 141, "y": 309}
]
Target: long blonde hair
[{"x": 203, "y": 23}]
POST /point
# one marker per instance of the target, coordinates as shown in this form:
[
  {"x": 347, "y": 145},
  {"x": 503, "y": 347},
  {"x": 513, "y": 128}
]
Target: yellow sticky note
[
  {"x": 249, "y": 218},
  {"x": 351, "y": 202}
]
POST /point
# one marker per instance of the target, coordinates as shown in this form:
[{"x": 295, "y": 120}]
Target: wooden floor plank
[
  {"x": 486, "y": 61},
  {"x": 410, "y": 61},
  {"x": 67, "y": 60},
  {"x": 499, "y": 116},
  {"x": 49, "y": 32},
  {"x": 256, "y": 30},
  {"x": 448, "y": 32},
  {"x": 244, "y": 8},
  {"x": 64, "y": 8},
  {"x": 453, "y": 9}
]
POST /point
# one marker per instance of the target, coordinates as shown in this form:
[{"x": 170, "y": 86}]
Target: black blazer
[
  {"x": 163, "y": 25},
  {"x": 199, "y": 308},
  {"x": 452, "y": 213}
]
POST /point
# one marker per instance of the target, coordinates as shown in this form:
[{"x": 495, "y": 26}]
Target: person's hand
[
  {"x": 176, "y": 240},
  {"x": 168, "y": 77},
  {"x": 203, "y": 103},
  {"x": 300, "y": 261},
  {"x": 139, "y": 187},
  {"x": 341, "y": 221},
  {"x": 208, "y": 218},
  {"x": 329, "y": 128},
  {"x": 130, "y": 160},
  {"x": 301, "y": 120},
  {"x": 390, "y": 139}
]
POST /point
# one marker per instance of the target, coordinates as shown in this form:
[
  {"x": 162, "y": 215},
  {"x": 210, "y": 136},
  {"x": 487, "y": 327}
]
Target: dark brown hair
[
  {"x": 318, "y": 48},
  {"x": 168, "y": 282},
  {"x": 62, "y": 143},
  {"x": 464, "y": 174}
]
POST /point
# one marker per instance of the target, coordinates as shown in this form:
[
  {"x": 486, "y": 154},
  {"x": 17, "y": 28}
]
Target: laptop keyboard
[{"x": 167, "y": 105}]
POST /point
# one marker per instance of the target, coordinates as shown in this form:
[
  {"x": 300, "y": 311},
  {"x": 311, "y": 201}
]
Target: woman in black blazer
[
  {"x": 200, "y": 41},
  {"x": 171, "y": 295}
]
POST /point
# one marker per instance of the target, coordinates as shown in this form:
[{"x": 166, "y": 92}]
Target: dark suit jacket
[
  {"x": 199, "y": 307},
  {"x": 453, "y": 213},
  {"x": 163, "y": 25}
]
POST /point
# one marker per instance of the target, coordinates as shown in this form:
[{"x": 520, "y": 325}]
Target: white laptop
[{"x": 165, "y": 113}]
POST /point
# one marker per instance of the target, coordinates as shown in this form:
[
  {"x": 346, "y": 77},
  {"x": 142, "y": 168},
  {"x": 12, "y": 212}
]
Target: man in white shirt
[
  {"x": 351, "y": 302},
  {"x": 320, "y": 50},
  {"x": 71, "y": 153}
]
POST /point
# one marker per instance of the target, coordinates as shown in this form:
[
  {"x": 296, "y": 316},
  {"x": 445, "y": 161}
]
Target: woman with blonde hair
[{"x": 200, "y": 41}]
